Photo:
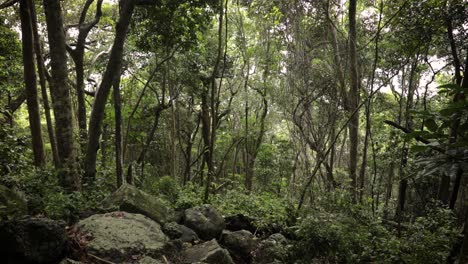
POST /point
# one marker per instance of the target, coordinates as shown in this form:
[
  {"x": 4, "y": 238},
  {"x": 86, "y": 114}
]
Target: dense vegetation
[{"x": 342, "y": 124}]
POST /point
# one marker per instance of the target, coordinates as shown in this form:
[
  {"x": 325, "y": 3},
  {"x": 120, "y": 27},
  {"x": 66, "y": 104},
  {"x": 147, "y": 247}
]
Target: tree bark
[
  {"x": 34, "y": 114},
  {"x": 113, "y": 69},
  {"x": 42, "y": 79},
  {"x": 353, "y": 101},
  {"x": 70, "y": 178},
  {"x": 118, "y": 133},
  {"x": 77, "y": 55}
]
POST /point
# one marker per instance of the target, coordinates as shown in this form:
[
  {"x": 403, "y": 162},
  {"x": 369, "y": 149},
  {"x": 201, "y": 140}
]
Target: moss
[
  {"x": 130, "y": 199},
  {"x": 119, "y": 234}
]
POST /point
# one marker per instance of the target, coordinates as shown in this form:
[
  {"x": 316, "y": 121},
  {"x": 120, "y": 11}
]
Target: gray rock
[
  {"x": 32, "y": 239},
  {"x": 11, "y": 204},
  {"x": 181, "y": 232},
  {"x": 271, "y": 250},
  {"x": 205, "y": 221},
  {"x": 208, "y": 252},
  {"x": 120, "y": 234},
  {"x": 148, "y": 260},
  {"x": 130, "y": 199},
  {"x": 70, "y": 261},
  {"x": 239, "y": 243}
]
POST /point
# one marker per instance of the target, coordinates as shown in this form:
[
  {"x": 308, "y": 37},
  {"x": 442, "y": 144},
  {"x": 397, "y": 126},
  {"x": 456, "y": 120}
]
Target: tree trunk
[
  {"x": 30, "y": 83},
  {"x": 453, "y": 137},
  {"x": 78, "y": 57},
  {"x": 118, "y": 133},
  {"x": 112, "y": 72},
  {"x": 70, "y": 179},
  {"x": 42, "y": 79},
  {"x": 353, "y": 97}
]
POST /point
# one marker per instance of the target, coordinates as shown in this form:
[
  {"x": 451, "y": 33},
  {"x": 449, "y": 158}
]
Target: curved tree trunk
[{"x": 112, "y": 71}]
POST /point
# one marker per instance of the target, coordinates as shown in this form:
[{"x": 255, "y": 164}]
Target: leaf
[
  {"x": 431, "y": 125},
  {"x": 419, "y": 148}
]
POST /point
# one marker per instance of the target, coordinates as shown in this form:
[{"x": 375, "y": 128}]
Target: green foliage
[
  {"x": 431, "y": 237},
  {"x": 166, "y": 186},
  {"x": 191, "y": 195},
  {"x": 266, "y": 208},
  {"x": 13, "y": 150},
  {"x": 342, "y": 238}
]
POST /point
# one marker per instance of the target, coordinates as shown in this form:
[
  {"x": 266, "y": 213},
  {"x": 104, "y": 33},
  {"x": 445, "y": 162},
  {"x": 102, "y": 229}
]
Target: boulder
[
  {"x": 208, "y": 252},
  {"x": 148, "y": 260},
  {"x": 240, "y": 244},
  {"x": 70, "y": 261},
  {"x": 271, "y": 250},
  {"x": 32, "y": 240},
  {"x": 205, "y": 221},
  {"x": 130, "y": 199},
  {"x": 181, "y": 232},
  {"x": 11, "y": 204},
  {"x": 117, "y": 235}
]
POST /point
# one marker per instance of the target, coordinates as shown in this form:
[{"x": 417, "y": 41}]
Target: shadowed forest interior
[{"x": 233, "y": 131}]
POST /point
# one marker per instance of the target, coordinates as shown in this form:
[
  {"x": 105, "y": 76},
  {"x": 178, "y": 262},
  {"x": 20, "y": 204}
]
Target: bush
[
  {"x": 266, "y": 208},
  {"x": 431, "y": 237},
  {"x": 348, "y": 238},
  {"x": 338, "y": 238}
]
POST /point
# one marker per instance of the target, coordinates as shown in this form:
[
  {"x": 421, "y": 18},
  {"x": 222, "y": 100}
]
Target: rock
[
  {"x": 32, "y": 240},
  {"x": 130, "y": 199},
  {"x": 240, "y": 244},
  {"x": 205, "y": 221},
  {"x": 271, "y": 250},
  {"x": 209, "y": 252},
  {"x": 240, "y": 222},
  {"x": 114, "y": 236},
  {"x": 70, "y": 261},
  {"x": 181, "y": 232},
  {"x": 11, "y": 204},
  {"x": 148, "y": 260}
]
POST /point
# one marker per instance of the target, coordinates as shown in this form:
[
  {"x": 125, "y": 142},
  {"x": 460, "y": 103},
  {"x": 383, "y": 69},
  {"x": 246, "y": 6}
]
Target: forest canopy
[{"x": 341, "y": 125}]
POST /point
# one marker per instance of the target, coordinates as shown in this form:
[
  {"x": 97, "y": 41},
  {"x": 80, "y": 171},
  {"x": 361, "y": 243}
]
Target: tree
[
  {"x": 69, "y": 176},
  {"x": 30, "y": 83},
  {"x": 110, "y": 77}
]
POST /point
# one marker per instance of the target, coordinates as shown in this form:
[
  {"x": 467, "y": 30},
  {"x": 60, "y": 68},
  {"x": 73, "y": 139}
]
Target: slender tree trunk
[
  {"x": 113, "y": 69},
  {"x": 34, "y": 114},
  {"x": 213, "y": 107},
  {"x": 78, "y": 57},
  {"x": 453, "y": 139},
  {"x": 42, "y": 79},
  {"x": 118, "y": 133},
  {"x": 70, "y": 177},
  {"x": 353, "y": 100},
  {"x": 403, "y": 185}
]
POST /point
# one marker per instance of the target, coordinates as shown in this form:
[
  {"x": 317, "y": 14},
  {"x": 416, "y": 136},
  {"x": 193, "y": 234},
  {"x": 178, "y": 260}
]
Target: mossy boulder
[
  {"x": 205, "y": 220},
  {"x": 274, "y": 249},
  {"x": 240, "y": 244},
  {"x": 208, "y": 252},
  {"x": 181, "y": 232},
  {"x": 116, "y": 236},
  {"x": 11, "y": 204},
  {"x": 32, "y": 240},
  {"x": 130, "y": 199}
]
